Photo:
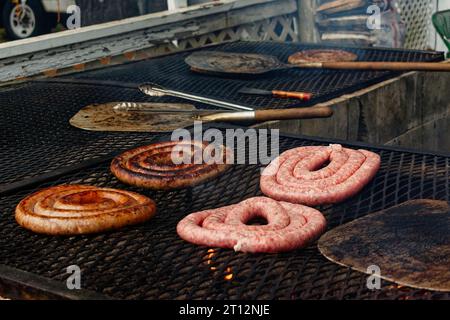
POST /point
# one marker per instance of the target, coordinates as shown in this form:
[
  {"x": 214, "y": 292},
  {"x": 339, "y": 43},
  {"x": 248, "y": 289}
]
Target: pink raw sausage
[
  {"x": 290, "y": 226},
  {"x": 295, "y": 176}
]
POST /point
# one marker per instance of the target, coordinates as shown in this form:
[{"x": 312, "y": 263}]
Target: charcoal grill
[{"x": 150, "y": 261}]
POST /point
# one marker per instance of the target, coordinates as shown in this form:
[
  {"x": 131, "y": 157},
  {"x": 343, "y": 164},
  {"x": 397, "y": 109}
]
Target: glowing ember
[
  {"x": 209, "y": 258},
  {"x": 229, "y": 275},
  {"x": 209, "y": 262}
]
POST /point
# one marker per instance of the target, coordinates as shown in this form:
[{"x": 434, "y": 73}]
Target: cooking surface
[
  {"x": 173, "y": 73},
  {"x": 37, "y": 137},
  {"x": 35, "y": 116},
  {"x": 151, "y": 262}
]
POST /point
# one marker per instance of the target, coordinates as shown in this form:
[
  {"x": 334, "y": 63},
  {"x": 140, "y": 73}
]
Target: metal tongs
[
  {"x": 155, "y": 90},
  {"x": 189, "y": 115}
]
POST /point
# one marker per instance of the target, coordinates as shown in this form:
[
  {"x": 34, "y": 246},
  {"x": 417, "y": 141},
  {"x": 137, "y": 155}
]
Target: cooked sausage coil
[
  {"x": 171, "y": 165},
  {"x": 79, "y": 209}
]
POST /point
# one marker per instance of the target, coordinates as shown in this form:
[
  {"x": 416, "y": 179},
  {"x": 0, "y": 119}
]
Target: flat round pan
[
  {"x": 248, "y": 64},
  {"x": 410, "y": 243},
  {"x": 228, "y": 63}
]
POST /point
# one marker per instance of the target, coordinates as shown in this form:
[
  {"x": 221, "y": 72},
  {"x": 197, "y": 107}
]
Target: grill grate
[
  {"x": 173, "y": 73},
  {"x": 36, "y": 134},
  {"x": 151, "y": 262},
  {"x": 34, "y": 117}
]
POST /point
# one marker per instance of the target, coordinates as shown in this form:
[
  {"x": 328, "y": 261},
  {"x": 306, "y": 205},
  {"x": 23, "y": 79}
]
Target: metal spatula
[{"x": 150, "y": 117}]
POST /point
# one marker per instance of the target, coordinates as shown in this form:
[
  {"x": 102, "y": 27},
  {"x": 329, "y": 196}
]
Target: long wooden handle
[
  {"x": 396, "y": 66},
  {"x": 290, "y": 114},
  {"x": 292, "y": 94}
]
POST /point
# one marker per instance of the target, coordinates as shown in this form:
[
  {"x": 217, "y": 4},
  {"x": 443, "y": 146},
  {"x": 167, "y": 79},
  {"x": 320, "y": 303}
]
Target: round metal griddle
[
  {"x": 228, "y": 63},
  {"x": 249, "y": 64}
]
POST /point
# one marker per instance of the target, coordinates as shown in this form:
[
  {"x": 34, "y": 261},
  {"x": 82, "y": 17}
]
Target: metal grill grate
[
  {"x": 151, "y": 262},
  {"x": 34, "y": 117},
  {"x": 172, "y": 72},
  {"x": 36, "y": 134}
]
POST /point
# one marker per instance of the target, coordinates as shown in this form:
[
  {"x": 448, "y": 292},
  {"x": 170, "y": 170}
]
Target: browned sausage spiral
[
  {"x": 78, "y": 209},
  {"x": 170, "y": 165}
]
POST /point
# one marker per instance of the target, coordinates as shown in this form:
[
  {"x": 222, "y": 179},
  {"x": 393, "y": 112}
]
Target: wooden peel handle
[
  {"x": 396, "y": 66},
  {"x": 292, "y": 94},
  {"x": 291, "y": 114}
]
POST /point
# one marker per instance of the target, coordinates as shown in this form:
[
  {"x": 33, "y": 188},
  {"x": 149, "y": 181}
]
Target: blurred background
[{"x": 406, "y": 23}]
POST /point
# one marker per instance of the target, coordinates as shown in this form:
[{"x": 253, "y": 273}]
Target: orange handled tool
[
  {"x": 305, "y": 96},
  {"x": 292, "y": 95}
]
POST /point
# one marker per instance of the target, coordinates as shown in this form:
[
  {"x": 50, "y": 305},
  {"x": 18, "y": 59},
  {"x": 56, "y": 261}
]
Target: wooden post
[
  {"x": 307, "y": 29},
  {"x": 173, "y": 5},
  {"x": 141, "y": 4}
]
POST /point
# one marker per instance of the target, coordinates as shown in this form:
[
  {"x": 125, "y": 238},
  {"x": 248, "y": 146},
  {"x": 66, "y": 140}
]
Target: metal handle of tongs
[{"x": 159, "y": 91}]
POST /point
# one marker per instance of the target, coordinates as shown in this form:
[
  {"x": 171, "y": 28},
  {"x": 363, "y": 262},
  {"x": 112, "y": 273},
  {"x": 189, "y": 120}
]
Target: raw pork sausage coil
[
  {"x": 78, "y": 209},
  {"x": 154, "y": 167},
  {"x": 290, "y": 226},
  {"x": 296, "y": 176}
]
